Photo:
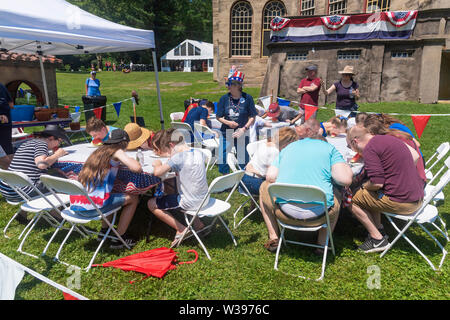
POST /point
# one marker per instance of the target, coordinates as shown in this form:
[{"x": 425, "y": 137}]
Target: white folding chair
[
  {"x": 176, "y": 116},
  {"x": 234, "y": 167},
  {"x": 208, "y": 156},
  {"x": 213, "y": 208},
  {"x": 429, "y": 187},
  {"x": 427, "y": 213},
  {"x": 307, "y": 194},
  {"x": 186, "y": 130},
  {"x": 39, "y": 206},
  {"x": 441, "y": 151},
  {"x": 72, "y": 187},
  {"x": 212, "y": 143},
  {"x": 253, "y": 146}
]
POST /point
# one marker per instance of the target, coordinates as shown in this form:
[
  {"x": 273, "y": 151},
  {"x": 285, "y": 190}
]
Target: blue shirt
[
  {"x": 93, "y": 87},
  {"x": 195, "y": 115},
  {"x": 308, "y": 161},
  {"x": 239, "y": 111}
]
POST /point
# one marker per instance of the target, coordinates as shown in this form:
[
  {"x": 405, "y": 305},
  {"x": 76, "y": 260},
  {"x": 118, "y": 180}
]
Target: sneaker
[
  {"x": 117, "y": 244},
  {"x": 380, "y": 230},
  {"x": 373, "y": 245}
]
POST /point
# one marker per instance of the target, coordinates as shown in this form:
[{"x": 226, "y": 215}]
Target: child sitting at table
[
  {"x": 189, "y": 164},
  {"x": 98, "y": 130},
  {"x": 159, "y": 145},
  {"x": 333, "y": 127},
  {"x": 98, "y": 175}
]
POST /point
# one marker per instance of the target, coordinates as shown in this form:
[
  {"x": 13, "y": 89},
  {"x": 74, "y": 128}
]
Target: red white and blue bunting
[
  {"x": 334, "y": 22},
  {"x": 379, "y": 25}
]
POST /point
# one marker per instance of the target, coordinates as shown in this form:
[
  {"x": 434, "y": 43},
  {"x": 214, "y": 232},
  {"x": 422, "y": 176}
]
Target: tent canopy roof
[
  {"x": 193, "y": 50},
  {"x": 57, "y": 27}
]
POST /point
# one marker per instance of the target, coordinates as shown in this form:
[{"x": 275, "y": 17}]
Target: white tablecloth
[
  {"x": 340, "y": 143},
  {"x": 81, "y": 152}
]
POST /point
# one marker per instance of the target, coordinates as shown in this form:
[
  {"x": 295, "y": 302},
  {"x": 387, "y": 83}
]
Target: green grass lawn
[{"x": 245, "y": 271}]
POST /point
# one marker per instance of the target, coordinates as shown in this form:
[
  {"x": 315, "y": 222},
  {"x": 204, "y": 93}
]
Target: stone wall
[
  {"x": 31, "y": 72},
  {"x": 256, "y": 66},
  {"x": 419, "y": 76}
]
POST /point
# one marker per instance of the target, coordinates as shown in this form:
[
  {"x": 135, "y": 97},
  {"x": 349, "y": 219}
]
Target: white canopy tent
[
  {"x": 187, "y": 51},
  {"x": 56, "y": 27}
]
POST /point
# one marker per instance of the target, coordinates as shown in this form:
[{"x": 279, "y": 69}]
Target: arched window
[
  {"x": 271, "y": 10},
  {"x": 241, "y": 29}
]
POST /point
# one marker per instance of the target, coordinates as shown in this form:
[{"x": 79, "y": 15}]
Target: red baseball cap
[{"x": 274, "y": 108}]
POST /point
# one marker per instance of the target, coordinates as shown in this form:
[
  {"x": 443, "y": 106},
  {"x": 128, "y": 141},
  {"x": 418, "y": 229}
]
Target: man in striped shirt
[{"x": 33, "y": 159}]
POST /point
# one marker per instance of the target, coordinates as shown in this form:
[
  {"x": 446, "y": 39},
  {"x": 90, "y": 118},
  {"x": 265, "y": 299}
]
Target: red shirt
[{"x": 311, "y": 98}]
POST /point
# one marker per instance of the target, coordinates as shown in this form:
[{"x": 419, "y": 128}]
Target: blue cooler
[{"x": 22, "y": 113}]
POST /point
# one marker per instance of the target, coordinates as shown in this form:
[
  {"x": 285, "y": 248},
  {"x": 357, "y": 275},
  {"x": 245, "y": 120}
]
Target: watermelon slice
[{"x": 97, "y": 142}]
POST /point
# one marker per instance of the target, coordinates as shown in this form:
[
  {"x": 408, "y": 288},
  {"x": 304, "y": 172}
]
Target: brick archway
[{"x": 13, "y": 86}]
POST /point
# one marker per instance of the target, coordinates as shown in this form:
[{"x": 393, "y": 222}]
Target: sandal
[
  {"x": 177, "y": 238},
  {"x": 271, "y": 245}
]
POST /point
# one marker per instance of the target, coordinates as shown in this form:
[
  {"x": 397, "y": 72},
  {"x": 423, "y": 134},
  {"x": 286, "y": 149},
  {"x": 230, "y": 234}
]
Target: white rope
[
  {"x": 392, "y": 114},
  {"x": 44, "y": 279}
]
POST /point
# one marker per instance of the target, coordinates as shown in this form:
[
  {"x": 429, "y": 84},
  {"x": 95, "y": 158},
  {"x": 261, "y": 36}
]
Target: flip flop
[
  {"x": 271, "y": 245},
  {"x": 177, "y": 238}
]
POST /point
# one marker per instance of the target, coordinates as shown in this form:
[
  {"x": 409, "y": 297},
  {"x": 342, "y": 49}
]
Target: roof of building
[{"x": 16, "y": 57}]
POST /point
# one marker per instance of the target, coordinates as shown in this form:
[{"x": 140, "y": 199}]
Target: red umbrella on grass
[{"x": 155, "y": 262}]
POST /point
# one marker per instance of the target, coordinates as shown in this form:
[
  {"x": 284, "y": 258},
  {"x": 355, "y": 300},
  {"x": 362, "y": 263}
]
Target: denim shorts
[
  {"x": 115, "y": 200},
  {"x": 252, "y": 184},
  {"x": 168, "y": 202}
]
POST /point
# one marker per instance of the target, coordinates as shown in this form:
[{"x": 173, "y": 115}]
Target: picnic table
[{"x": 126, "y": 180}]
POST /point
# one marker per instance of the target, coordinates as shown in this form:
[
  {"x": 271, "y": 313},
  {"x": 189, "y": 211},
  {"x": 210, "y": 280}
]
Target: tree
[{"x": 172, "y": 22}]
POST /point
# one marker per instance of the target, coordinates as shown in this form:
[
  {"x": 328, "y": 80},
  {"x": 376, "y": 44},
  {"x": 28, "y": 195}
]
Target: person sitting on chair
[
  {"x": 394, "y": 184},
  {"x": 189, "y": 164},
  {"x": 308, "y": 162},
  {"x": 98, "y": 130},
  {"x": 33, "y": 158},
  {"x": 265, "y": 154}
]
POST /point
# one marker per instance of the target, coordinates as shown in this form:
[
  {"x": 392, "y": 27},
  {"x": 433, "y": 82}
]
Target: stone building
[
  {"x": 415, "y": 69},
  {"x": 25, "y": 68}
]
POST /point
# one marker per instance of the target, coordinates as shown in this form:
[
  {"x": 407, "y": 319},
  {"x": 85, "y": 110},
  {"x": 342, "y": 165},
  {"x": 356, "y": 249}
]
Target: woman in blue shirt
[
  {"x": 236, "y": 111},
  {"x": 93, "y": 85}
]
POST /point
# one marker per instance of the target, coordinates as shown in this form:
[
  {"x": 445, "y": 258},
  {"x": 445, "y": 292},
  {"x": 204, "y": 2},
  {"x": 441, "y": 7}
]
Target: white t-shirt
[
  {"x": 263, "y": 158},
  {"x": 191, "y": 177},
  {"x": 257, "y": 124}
]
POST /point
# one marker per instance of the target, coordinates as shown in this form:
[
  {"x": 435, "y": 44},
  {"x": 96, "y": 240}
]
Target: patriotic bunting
[
  {"x": 117, "y": 106},
  {"x": 278, "y": 23},
  {"x": 420, "y": 122},
  {"x": 309, "y": 111},
  {"x": 334, "y": 22},
  {"x": 98, "y": 113},
  {"x": 379, "y": 25}
]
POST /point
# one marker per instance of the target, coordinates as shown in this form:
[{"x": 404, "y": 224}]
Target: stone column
[
  {"x": 429, "y": 73},
  {"x": 376, "y": 72}
]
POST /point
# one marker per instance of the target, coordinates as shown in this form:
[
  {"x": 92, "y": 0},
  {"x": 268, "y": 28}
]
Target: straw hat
[
  {"x": 137, "y": 134},
  {"x": 347, "y": 70}
]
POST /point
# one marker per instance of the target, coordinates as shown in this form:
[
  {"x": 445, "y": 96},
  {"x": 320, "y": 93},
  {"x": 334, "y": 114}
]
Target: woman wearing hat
[
  {"x": 33, "y": 158},
  {"x": 93, "y": 85},
  {"x": 236, "y": 111},
  {"x": 346, "y": 90},
  {"x": 98, "y": 175},
  {"x": 138, "y": 136}
]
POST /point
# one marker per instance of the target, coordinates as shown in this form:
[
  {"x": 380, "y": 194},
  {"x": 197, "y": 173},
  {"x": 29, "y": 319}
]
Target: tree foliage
[{"x": 172, "y": 21}]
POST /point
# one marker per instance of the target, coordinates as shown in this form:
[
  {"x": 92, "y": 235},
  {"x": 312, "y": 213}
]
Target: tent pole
[
  {"x": 44, "y": 80},
  {"x": 155, "y": 65}
]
